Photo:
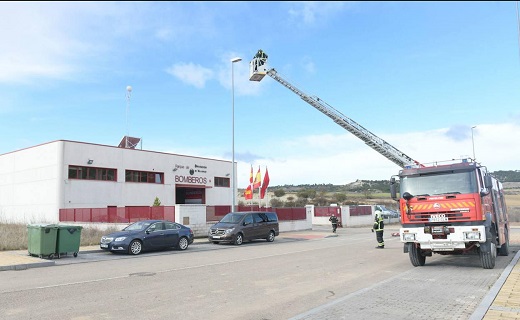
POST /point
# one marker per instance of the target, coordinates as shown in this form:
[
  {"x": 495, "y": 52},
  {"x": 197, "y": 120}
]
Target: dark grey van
[{"x": 236, "y": 227}]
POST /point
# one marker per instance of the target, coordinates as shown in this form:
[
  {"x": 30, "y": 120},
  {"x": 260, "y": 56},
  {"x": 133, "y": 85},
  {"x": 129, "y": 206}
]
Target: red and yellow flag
[
  {"x": 251, "y": 176},
  {"x": 258, "y": 180},
  {"x": 248, "y": 194}
]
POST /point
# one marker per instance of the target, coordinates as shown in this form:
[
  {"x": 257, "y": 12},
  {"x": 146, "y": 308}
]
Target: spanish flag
[
  {"x": 248, "y": 194},
  {"x": 258, "y": 180}
]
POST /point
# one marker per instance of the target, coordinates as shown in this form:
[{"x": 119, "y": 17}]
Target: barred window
[
  {"x": 221, "y": 182},
  {"x": 144, "y": 176},
  {"x": 92, "y": 173}
]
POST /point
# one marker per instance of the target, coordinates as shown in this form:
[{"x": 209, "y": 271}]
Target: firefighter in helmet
[
  {"x": 262, "y": 57},
  {"x": 379, "y": 225},
  {"x": 334, "y": 221}
]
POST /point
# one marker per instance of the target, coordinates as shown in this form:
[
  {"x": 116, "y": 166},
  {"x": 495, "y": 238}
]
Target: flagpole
[
  {"x": 266, "y": 196},
  {"x": 251, "y": 186}
]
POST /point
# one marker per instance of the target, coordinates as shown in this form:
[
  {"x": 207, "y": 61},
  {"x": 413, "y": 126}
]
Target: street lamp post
[
  {"x": 473, "y": 142},
  {"x": 233, "y": 183}
]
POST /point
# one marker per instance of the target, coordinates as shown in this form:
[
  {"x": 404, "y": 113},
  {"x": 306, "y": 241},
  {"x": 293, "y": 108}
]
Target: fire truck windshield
[{"x": 440, "y": 183}]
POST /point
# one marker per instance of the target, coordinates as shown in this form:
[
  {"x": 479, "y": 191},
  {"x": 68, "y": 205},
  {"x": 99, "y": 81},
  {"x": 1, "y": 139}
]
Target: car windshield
[
  {"x": 140, "y": 225},
  {"x": 437, "y": 184},
  {"x": 232, "y": 218}
]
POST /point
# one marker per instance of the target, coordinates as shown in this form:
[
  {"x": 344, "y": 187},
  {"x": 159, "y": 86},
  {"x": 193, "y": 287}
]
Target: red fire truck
[{"x": 456, "y": 208}]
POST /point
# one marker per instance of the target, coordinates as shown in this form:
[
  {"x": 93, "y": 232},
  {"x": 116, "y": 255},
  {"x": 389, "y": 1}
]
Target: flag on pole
[
  {"x": 251, "y": 176},
  {"x": 258, "y": 179},
  {"x": 265, "y": 184},
  {"x": 248, "y": 194}
]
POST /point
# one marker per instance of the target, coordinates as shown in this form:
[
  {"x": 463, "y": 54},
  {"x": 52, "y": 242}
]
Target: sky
[{"x": 436, "y": 80}]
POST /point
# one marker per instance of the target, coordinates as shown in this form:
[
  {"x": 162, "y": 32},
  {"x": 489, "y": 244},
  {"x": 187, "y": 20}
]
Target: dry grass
[
  {"x": 513, "y": 200},
  {"x": 14, "y": 236}
]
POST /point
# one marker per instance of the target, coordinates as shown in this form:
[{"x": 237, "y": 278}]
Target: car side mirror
[
  {"x": 488, "y": 182},
  {"x": 148, "y": 231},
  {"x": 393, "y": 188}
]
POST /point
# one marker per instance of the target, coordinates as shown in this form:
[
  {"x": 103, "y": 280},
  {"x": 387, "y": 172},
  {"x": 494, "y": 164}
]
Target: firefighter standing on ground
[
  {"x": 334, "y": 221},
  {"x": 379, "y": 225}
]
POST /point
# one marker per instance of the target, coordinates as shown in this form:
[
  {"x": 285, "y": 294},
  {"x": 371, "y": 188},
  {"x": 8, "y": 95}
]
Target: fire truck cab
[{"x": 456, "y": 208}]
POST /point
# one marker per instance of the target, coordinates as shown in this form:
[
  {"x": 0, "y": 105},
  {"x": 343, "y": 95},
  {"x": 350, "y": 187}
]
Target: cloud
[
  {"x": 192, "y": 74},
  {"x": 242, "y": 84},
  {"x": 459, "y": 132},
  {"x": 246, "y": 157},
  {"x": 51, "y": 40},
  {"x": 33, "y": 44},
  {"x": 197, "y": 75},
  {"x": 310, "y": 12},
  {"x": 341, "y": 159}
]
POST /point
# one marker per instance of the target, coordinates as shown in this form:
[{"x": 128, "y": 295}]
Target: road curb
[
  {"x": 25, "y": 266},
  {"x": 487, "y": 302}
]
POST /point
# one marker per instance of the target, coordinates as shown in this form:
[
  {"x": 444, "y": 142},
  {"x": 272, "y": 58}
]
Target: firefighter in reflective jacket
[
  {"x": 334, "y": 221},
  {"x": 262, "y": 57},
  {"x": 379, "y": 225}
]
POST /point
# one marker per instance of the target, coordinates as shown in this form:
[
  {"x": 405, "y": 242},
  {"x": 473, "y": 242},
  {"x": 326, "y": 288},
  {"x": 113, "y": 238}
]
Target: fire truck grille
[{"x": 439, "y": 216}]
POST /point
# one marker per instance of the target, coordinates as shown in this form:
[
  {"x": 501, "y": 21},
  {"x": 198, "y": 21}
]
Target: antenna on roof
[{"x": 128, "y": 95}]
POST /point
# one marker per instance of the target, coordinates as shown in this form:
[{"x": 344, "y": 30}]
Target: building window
[
  {"x": 90, "y": 173},
  {"x": 144, "y": 176},
  {"x": 221, "y": 182}
]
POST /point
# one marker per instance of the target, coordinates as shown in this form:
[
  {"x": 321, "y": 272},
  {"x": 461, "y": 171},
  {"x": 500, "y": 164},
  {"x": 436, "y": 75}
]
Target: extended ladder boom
[{"x": 258, "y": 69}]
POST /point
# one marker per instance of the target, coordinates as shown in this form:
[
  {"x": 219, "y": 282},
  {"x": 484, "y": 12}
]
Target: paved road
[{"x": 341, "y": 277}]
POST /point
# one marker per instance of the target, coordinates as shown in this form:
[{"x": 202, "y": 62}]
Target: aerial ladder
[{"x": 258, "y": 70}]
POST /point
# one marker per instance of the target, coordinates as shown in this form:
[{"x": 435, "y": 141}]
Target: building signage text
[{"x": 191, "y": 179}]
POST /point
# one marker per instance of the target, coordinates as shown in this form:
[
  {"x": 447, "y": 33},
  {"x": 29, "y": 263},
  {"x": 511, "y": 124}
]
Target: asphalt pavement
[{"x": 501, "y": 302}]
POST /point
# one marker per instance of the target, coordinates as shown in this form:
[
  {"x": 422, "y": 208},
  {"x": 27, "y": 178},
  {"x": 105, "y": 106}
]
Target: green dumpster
[
  {"x": 41, "y": 240},
  {"x": 68, "y": 239}
]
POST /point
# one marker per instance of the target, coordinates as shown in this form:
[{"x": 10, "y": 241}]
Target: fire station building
[{"x": 37, "y": 183}]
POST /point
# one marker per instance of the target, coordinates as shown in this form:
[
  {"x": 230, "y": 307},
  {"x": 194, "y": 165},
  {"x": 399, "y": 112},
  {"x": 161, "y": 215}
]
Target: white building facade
[{"x": 37, "y": 182}]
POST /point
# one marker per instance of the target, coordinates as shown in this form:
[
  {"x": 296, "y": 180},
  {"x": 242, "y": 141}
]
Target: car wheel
[
  {"x": 135, "y": 247},
  {"x": 215, "y": 242},
  {"x": 183, "y": 243},
  {"x": 270, "y": 237},
  {"x": 239, "y": 239}
]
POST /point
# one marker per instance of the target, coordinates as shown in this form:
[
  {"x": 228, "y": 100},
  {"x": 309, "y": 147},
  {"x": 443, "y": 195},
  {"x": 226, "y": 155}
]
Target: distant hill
[
  {"x": 356, "y": 186},
  {"x": 507, "y": 176},
  {"x": 379, "y": 185}
]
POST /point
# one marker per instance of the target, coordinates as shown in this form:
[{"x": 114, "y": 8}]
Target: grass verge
[{"x": 13, "y": 236}]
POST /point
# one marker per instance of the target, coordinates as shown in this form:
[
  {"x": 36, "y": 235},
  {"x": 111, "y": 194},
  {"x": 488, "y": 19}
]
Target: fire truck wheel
[
  {"x": 488, "y": 254},
  {"x": 416, "y": 258},
  {"x": 504, "y": 249}
]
